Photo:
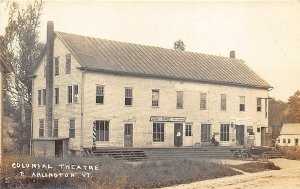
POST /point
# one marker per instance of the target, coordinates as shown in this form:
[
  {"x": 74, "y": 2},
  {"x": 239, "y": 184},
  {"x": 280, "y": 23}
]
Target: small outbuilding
[{"x": 289, "y": 135}]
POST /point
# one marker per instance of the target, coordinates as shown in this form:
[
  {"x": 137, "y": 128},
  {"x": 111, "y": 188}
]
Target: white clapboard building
[
  {"x": 141, "y": 96},
  {"x": 289, "y": 135}
]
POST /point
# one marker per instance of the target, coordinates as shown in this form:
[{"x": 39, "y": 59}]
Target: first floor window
[
  {"x": 284, "y": 140},
  {"x": 155, "y": 98},
  {"x": 99, "y": 94},
  {"x": 205, "y": 132},
  {"x": 72, "y": 128},
  {"x": 102, "y": 130},
  {"x": 188, "y": 129},
  {"x": 289, "y": 140},
  {"x": 224, "y": 134},
  {"x": 55, "y": 128},
  {"x": 128, "y": 97},
  {"x": 41, "y": 129},
  {"x": 158, "y": 132}
]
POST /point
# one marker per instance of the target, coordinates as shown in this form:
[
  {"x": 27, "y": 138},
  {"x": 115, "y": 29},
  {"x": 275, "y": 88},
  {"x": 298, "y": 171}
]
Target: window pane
[
  {"x": 56, "y": 95},
  {"x": 99, "y": 94},
  {"x": 223, "y": 102},
  {"x": 203, "y": 101},
  {"x": 179, "y": 99},
  {"x": 155, "y": 97},
  {"x": 70, "y": 96},
  {"x": 39, "y": 97},
  {"x": 56, "y": 62}
]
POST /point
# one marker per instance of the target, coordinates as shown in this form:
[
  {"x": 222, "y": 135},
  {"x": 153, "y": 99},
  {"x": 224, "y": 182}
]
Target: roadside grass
[
  {"x": 114, "y": 174},
  {"x": 290, "y": 152}
]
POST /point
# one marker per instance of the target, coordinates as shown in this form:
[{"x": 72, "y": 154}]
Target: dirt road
[{"x": 286, "y": 178}]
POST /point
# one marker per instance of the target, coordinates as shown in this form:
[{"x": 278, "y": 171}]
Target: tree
[
  {"x": 20, "y": 48},
  {"x": 179, "y": 45},
  {"x": 294, "y": 107},
  {"x": 277, "y": 116}
]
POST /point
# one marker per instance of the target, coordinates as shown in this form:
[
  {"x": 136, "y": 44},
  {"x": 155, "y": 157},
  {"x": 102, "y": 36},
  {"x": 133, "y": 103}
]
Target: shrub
[{"x": 290, "y": 152}]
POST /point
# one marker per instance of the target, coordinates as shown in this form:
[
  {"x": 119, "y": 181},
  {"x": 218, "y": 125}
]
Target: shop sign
[{"x": 166, "y": 119}]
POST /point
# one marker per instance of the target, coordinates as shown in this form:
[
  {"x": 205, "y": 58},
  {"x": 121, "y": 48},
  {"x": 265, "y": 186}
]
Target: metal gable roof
[{"x": 133, "y": 59}]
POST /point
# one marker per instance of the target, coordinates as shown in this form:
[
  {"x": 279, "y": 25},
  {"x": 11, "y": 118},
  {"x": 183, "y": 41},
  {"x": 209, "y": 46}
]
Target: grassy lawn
[{"x": 112, "y": 174}]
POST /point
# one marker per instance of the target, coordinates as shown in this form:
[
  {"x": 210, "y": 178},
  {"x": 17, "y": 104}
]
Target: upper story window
[
  {"x": 258, "y": 104},
  {"x": 55, "y": 128},
  {"x": 155, "y": 98},
  {"x": 242, "y": 103},
  {"x": 179, "y": 103},
  {"x": 72, "y": 128},
  {"x": 44, "y": 96},
  {"x": 56, "y": 95},
  {"x": 41, "y": 128},
  {"x": 68, "y": 64},
  {"x": 223, "y": 102},
  {"x": 56, "y": 65},
  {"x": 203, "y": 101},
  {"x": 128, "y": 96},
  {"x": 99, "y": 94},
  {"x": 73, "y": 94},
  {"x": 39, "y": 97}
]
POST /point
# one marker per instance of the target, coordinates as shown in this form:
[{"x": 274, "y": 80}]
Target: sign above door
[{"x": 167, "y": 119}]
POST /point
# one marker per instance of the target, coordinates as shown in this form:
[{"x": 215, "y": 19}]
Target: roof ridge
[{"x": 205, "y": 54}]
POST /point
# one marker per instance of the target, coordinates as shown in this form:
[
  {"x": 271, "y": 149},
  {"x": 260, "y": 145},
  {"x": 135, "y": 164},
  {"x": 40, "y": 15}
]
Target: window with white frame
[
  {"x": 102, "y": 130},
  {"x": 56, "y": 95},
  {"x": 242, "y": 103},
  {"x": 258, "y": 104},
  {"x": 55, "y": 128},
  {"x": 179, "y": 103},
  {"x": 158, "y": 132},
  {"x": 128, "y": 96},
  {"x": 188, "y": 129},
  {"x": 41, "y": 128},
  {"x": 202, "y": 101},
  {"x": 224, "y": 134},
  {"x": 56, "y": 65},
  {"x": 68, "y": 64},
  {"x": 155, "y": 98},
  {"x": 72, "y": 128},
  {"x": 99, "y": 94},
  {"x": 223, "y": 102}
]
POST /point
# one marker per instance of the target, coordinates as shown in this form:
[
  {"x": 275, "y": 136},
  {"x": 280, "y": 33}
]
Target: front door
[
  {"x": 58, "y": 148},
  {"x": 240, "y": 130},
  {"x": 178, "y": 132},
  {"x": 128, "y": 128},
  {"x": 205, "y": 132},
  {"x": 263, "y": 136}
]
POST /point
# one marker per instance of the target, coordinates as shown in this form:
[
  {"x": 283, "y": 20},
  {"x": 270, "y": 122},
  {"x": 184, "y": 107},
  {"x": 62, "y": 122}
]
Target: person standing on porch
[{"x": 178, "y": 135}]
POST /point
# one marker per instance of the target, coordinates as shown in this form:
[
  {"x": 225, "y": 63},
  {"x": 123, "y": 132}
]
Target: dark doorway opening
[
  {"x": 128, "y": 130},
  {"x": 240, "y": 135},
  {"x": 178, "y": 132},
  {"x": 58, "y": 148}
]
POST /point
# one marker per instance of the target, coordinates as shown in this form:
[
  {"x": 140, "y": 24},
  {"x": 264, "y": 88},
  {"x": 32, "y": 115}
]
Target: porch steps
[
  {"x": 189, "y": 153},
  {"x": 129, "y": 154}
]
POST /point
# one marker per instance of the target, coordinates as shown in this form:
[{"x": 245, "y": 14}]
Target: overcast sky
[{"x": 266, "y": 35}]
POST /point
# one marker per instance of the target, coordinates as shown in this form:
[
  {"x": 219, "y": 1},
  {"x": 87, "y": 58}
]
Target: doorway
[
  {"x": 58, "y": 148},
  {"x": 263, "y": 136},
  {"x": 128, "y": 135},
  {"x": 240, "y": 135},
  {"x": 178, "y": 132}
]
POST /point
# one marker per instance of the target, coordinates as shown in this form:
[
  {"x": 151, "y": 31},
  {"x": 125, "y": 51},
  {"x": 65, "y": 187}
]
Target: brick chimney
[
  {"x": 232, "y": 54},
  {"x": 49, "y": 79}
]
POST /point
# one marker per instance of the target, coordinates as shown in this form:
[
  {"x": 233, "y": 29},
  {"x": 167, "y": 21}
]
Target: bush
[{"x": 290, "y": 152}]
